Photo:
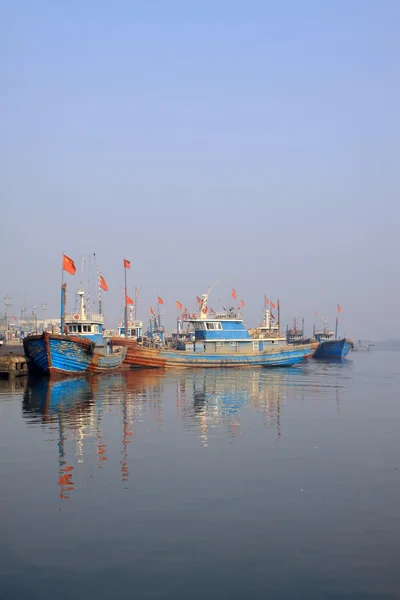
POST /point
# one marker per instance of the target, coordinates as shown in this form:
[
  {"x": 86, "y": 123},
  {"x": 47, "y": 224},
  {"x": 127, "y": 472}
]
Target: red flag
[
  {"x": 315, "y": 314},
  {"x": 179, "y": 305},
  {"x": 103, "y": 284},
  {"x": 266, "y": 300},
  {"x": 129, "y": 300},
  {"x": 160, "y": 300},
  {"x": 339, "y": 309},
  {"x": 68, "y": 265},
  {"x": 151, "y": 310},
  {"x": 242, "y": 303},
  {"x": 198, "y": 300},
  {"x": 233, "y": 294},
  {"x": 127, "y": 264},
  {"x": 273, "y": 305}
]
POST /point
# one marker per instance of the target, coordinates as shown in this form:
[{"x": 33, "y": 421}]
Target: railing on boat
[
  {"x": 228, "y": 314},
  {"x": 96, "y": 318}
]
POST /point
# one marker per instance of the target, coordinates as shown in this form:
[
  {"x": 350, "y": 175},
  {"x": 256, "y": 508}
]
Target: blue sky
[{"x": 253, "y": 142}]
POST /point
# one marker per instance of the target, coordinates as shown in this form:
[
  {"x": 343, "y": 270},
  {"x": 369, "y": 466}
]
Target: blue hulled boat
[
  {"x": 221, "y": 340},
  {"x": 80, "y": 349},
  {"x": 329, "y": 346}
]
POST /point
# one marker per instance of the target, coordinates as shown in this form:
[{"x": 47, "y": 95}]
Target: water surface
[{"x": 279, "y": 484}]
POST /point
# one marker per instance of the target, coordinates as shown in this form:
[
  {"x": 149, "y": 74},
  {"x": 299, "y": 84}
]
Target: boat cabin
[
  {"x": 135, "y": 329},
  {"x": 81, "y": 323},
  {"x": 225, "y": 332},
  {"x": 324, "y": 335}
]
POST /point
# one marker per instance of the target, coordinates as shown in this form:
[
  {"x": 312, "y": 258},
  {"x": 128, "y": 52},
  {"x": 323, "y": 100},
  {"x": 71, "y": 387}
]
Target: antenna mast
[{"x": 98, "y": 284}]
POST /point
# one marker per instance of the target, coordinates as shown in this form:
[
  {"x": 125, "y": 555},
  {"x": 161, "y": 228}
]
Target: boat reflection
[
  {"x": 75, "y": 408},
  {"x": 82, "y": 415},
  {"x": 210, "y": 398}
]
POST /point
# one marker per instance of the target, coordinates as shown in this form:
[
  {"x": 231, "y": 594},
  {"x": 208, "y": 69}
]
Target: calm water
[{"x": 280, "y": 484}]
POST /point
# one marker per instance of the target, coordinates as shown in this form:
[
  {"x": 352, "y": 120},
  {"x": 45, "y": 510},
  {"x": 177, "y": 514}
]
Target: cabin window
[
  {"x": 89, "y": 328},
  {"x": 220, "y": 343},
  {"x": 84, "y": 328},
  {"x": 213, "y": 326},
  {"x": 255, "y": 345},
  {"x": 79, "y": 328},
  {"x": 74, "y": 327},
  {"x": 232, "y": 343},
  {"x": 198, "y": 326},
  {"x": 70, "y": 328},
  {"x": 95, "y": 328}
]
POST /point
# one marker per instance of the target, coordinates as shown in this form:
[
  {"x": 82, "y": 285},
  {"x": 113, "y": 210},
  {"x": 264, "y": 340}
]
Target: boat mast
[
  {"x": 279, "y": 317},
  {"x": 98, "y": 285},
  {"x": 63, "y": 295},
  {"x": 337, "y": 322},
  {"x": 126, "y": 303}
]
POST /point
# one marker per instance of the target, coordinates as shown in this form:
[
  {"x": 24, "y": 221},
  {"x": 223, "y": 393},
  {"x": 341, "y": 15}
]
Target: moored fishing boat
[
  {"x": 56, "y": 354},
  {"x": 330, "y": 347},
  {"x": 221, "y": 340},
  {"x": 80, "y": 346},
  {"x": 295, "y": 335}
]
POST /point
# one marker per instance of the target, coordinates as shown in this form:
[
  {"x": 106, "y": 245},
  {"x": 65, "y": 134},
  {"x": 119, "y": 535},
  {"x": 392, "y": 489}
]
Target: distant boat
[
  {"x": 296, "y": 335},
  {"x": 221, "y": 340},
  {"x": 362, "y": 346},
  {"x": 329, "y": 345}
]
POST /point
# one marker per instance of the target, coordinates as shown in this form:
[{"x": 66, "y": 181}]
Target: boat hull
[
  {"x": 287, "y": 355},
  {"x": 333, "y": 349},
  {"x": 60, "y": 355},
  {"x": 128, "y": 344}
]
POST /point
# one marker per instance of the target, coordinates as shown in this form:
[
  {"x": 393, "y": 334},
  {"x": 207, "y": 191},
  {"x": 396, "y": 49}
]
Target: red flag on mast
[
  {"x": 339, "y": 309},
  {"x": 151, "y": 309},
  {"x": 68, "y": 265},
  {"x": 160, "y": 300},
  {"x": 127, "y": 264},
  {"x": 242, "y": 303},
  {"x": 129, "y": 300},
  {"x": 198, "y": 300},
  {"x": 179, "y": 305},
  {"x": 233, "y": 294},
  {"x": 103, "y": 284},
  {"x": 273, "y": 305},
  {"x": 266, "y": 300}
]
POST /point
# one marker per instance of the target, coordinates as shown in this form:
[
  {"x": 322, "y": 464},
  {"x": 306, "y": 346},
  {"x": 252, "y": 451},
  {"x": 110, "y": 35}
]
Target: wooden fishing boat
[
  {"x": 56, "y": 354},
  {"x": 80, "y": 347},
  {"x": 220, "y": 340}
]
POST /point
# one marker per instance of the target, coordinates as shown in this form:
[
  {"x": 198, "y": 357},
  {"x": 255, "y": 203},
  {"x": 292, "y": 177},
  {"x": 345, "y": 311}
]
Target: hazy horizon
[{"x": 253, "y": 143}]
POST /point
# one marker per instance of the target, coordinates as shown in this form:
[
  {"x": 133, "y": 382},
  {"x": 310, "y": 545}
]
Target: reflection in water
[
  {"x": 212, "y": 398},
  {"x": 206, "y": 399},
  {"x": 76, "y": 410}
]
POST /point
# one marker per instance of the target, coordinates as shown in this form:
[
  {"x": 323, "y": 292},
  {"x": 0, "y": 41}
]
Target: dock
[{"x": 13, "y": 362}]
